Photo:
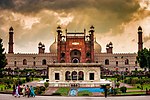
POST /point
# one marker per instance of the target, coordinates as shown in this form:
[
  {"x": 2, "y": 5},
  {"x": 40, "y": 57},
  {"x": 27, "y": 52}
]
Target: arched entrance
[
  {"x": 67, "y": 75},
  {"x": 75, "y": 56},
  {"x": 74, "y": 75},
  {"x": 75, "y": 60},
  {"x": 80, "y": 75}
]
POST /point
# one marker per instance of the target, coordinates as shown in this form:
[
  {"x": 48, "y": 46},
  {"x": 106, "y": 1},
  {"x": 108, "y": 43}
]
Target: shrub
[
  {"x": 28, "y": 79},
  {"x": 46, "y": 84},
  {"x": 42, "y": 88},
  {"x": 138, "y": 87},
  {"x": 117, "y": 84},
  {"x": 39, "y": 89},
  {"x": 56, "y": 94},
  {"x": 115, "y": 91},
  {"x": 85, "y": 94},
  {"x": 123, "y": 89},
  {"x": 8, "y": 86},
  {"x": 1, "y": 88}
]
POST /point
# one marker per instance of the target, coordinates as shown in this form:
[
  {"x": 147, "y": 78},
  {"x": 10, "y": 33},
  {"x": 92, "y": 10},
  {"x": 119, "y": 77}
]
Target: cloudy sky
[{"x": 35, "y": 21}]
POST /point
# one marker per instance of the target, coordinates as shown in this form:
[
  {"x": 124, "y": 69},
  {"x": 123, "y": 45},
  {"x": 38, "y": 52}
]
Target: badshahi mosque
[{"x": 75, "y": 58}]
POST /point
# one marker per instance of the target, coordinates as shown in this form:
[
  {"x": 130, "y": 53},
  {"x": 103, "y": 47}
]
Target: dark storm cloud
[
  {"x": 27, "y": 6},
  {"x": 120, "y": 11},
  {"x": 146, "y": 38}
]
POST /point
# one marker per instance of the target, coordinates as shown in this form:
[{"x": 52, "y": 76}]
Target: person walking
[
  {"x": 17, "y": 91},
  {"x": 105, "y": 92},
  {"x": 32, "y": 94},
  {"x": 14, "y": 89},
  {"x": 28, "y": 91},
  {"x": 24, "y": 90}
]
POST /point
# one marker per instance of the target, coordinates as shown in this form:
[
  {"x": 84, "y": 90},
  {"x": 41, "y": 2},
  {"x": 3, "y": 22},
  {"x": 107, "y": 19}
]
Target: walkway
[{"x": 9, "y": 96}]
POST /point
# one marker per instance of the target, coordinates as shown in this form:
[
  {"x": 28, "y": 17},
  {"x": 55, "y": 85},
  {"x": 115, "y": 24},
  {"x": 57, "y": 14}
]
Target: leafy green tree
[
  {"x": 143, "y": 58},
  {"x": 3, "y": 61}
]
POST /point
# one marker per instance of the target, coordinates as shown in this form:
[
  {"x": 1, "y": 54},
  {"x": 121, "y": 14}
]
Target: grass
[
  {"x": 136, "y": 90},
  {"x": 63, "y": 91},
  {"x": 144, "y": 86},
  {"x": 133, "y": 88},
  {"x": 84, "y": 93},
  {"x": 133, "y": 92},
  {"x": 2, "y": 87},
  {"x": 112, "y": 79}
]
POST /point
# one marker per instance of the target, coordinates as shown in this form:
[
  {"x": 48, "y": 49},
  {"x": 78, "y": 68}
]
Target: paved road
[{"x": 10, "y": 97}]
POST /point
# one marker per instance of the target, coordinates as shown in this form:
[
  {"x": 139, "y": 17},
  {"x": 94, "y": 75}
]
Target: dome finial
[
  {"x": 139, "y": 28},
  {"x": 11, "y": 28}
]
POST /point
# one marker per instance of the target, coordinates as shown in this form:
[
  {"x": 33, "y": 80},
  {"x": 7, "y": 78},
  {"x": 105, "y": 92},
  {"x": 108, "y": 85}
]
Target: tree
[
  {"x": 143, "y": 58},
  {"x": 3, "y": 61}
]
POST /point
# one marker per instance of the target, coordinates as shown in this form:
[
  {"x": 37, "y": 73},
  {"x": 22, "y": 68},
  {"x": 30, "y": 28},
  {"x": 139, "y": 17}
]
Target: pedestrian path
[
  {"x": 9, "y": 96},
  {"x": 50, "y": 91}
]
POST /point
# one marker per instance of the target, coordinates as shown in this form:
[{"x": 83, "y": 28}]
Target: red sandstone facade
[{"x": 75, "y": 47}]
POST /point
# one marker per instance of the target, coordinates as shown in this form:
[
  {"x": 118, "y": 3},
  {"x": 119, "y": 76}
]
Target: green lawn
[
  {"x": 2, "y": 85},
  {"x": 133, "y": 88},
  {"x": 63, "y": 91},
  {"x": 111, "y": 79},
  {"x": 134, "y": 92},
  {"x": 84, "y": 93},
  {"x": 144, "y": 86}
]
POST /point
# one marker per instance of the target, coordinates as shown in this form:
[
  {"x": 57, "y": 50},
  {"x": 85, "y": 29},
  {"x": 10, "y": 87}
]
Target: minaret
[
  {"x": 91, "y": 31},
  {"x": 109, "y": 48},
  {"x": 140, "y": 42},
  {"x": 59, "y": 37},
  {"x": 11, "y": 32},
  {"x": 40, "y": 47}
]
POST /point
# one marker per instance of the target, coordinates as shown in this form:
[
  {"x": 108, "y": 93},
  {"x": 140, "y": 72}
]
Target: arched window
[
  {"x": 106, "y": 62},
  {"x": 43, "y": 62},
  {"x": 67, "y": 75},
  {"x": 62, "y": 55},
  {"x": 135, "y": 63},
  {"x": 116, "y": 63},
  {"x": 75, "y": 60},
  {"x": 74, "y": 75},
  {"x": 127, "y": 62},
  {"x": 24, "y": 62},
  {"x": 88, "y": 55},
  {"x": 34, "y": 63},
  {"x": 15, "y": 63},
  {"x": 80, "y": 75}
]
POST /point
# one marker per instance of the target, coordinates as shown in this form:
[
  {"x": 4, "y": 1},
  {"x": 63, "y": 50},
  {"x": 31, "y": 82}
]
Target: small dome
[
  {"x": 139, "y": 28},
  {"x": 53, "y": 47},
  {"x": 40, "y": 43},
  {"x": 107, "y": 46},
  {"x": 92, "y": 27},
  {"x": 11, "y": 28},
  {"x": 97, "y": 47},
  {"x": 110, "y": 43}
]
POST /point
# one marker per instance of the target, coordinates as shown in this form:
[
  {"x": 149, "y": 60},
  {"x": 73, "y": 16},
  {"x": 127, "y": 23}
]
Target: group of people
[{"x": 23, "y": 90}]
